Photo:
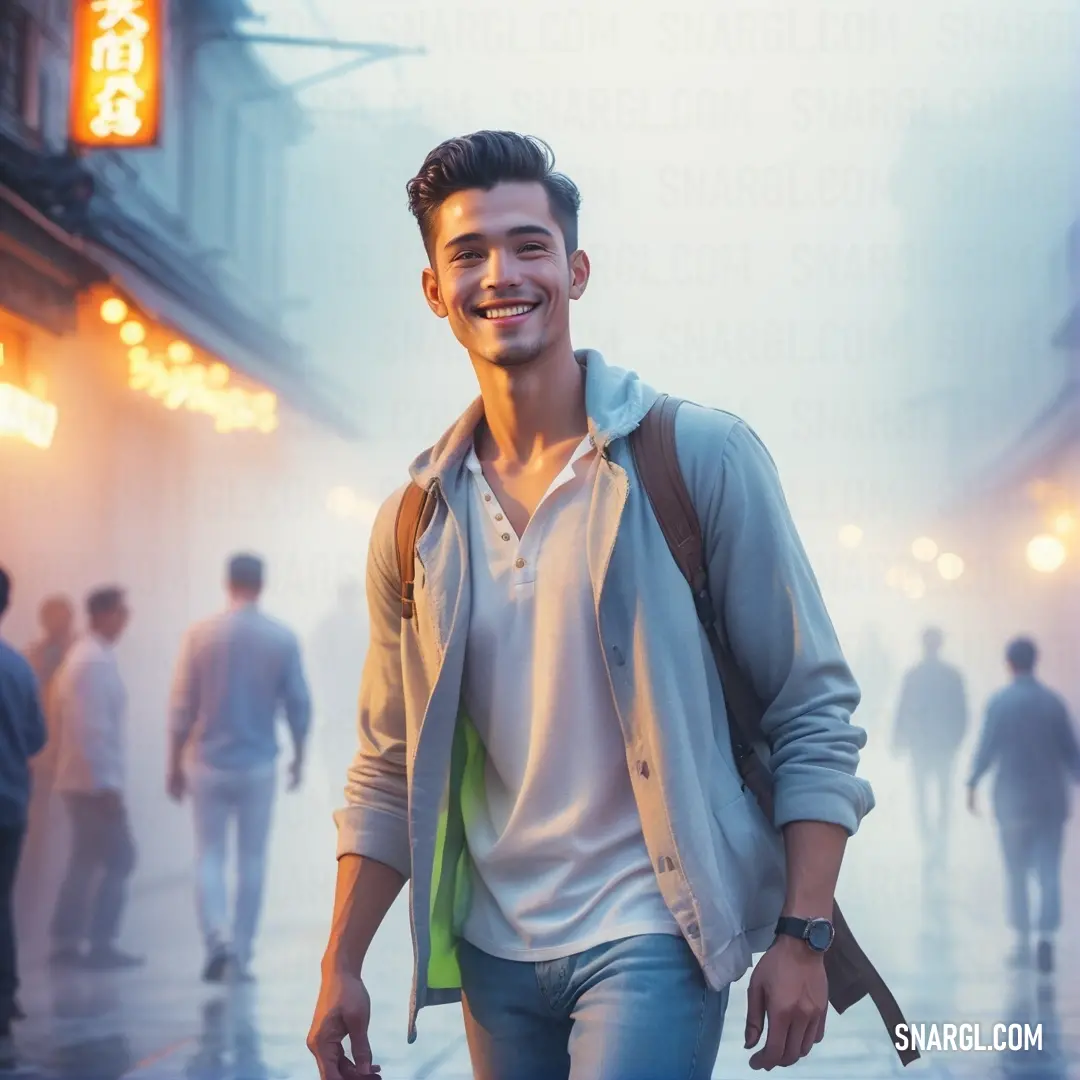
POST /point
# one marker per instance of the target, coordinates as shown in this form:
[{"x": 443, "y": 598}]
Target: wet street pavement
[{"x": 940, "y": 943}]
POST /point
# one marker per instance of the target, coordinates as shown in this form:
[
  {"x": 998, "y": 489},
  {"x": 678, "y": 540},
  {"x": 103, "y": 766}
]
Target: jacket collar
[{"x": 616, "y": 401}]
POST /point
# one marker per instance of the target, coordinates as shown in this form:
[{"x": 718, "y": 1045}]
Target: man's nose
[{"x": 503, "y": 270}]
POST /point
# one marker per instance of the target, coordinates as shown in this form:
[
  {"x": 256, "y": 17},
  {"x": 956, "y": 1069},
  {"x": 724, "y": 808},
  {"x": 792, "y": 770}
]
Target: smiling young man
[{"x": 544, "y": 750}]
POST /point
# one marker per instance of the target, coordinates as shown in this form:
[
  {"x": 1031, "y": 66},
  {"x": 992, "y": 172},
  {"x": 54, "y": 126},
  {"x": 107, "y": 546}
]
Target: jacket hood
[{"x": 616, "y": 401}]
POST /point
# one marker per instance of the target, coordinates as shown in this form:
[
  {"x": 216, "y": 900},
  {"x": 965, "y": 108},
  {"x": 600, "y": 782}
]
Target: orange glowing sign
[{"x": 117, "y": 61}]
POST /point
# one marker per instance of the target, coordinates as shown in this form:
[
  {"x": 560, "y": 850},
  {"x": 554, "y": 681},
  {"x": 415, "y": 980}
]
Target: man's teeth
[{"x": 507, "y": 312}]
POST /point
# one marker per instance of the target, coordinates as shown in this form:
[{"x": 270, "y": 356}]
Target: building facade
[{"x": 154, "y": 414}]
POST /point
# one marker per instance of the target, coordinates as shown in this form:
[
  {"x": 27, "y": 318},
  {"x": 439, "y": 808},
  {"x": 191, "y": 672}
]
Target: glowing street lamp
[
  {"x": 850, "y": 536},
  {"x": 1045, "y": 554},
  {"x": 915, "y": 587},
  {"x": 924, "y": 549},
  {"x": 180, "y": 352},
  {"x": 950, "y": 566},
  {"x": 133, "y": 333},
  {"x": 114, "y": 311}
]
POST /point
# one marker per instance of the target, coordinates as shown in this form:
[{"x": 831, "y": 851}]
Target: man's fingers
[
  {"x": 361, "y": 1051},
  {"x": 772, "y": 1053},
  {"x": 797, "y": 1037},
  {"x": 325, "y": 1045},
  {"x": 755, "y": 1013},
  {"x": 821, "y": 1027}
]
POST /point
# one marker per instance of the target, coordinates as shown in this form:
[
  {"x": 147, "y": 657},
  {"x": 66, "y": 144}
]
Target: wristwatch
[{"x": 817, "y": 933}]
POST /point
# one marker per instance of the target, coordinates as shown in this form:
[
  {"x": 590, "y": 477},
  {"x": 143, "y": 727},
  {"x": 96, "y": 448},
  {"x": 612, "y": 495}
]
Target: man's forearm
[
  {"x": 366, "y": 890},
  {"x": 814, "y": 850},
  {"x": 177, "y": 741}
]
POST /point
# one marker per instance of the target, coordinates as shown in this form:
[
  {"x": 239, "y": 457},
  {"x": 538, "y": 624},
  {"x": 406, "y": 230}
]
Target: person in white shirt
[
  {"x": 237, "y": 672},
  {"x": 91, "y": 703}
]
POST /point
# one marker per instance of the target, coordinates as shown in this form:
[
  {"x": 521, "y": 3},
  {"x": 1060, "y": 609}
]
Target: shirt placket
[{"x": 524, "y": 564}]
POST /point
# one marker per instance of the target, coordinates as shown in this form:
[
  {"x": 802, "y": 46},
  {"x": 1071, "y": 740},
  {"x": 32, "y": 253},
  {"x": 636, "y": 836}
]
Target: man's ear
[
  {"x": 579, "y": 274},
  {"x": 430, "y": 284}
]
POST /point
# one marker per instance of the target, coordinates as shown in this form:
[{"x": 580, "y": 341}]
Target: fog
[{"x": 850, "y": 224}]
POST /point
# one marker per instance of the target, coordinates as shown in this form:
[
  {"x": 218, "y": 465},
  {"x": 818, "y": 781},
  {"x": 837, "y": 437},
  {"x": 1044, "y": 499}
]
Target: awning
[{"x": 279, "y": 371}]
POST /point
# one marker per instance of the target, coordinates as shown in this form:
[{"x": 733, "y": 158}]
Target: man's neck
[{"x": 530, "y": 408}]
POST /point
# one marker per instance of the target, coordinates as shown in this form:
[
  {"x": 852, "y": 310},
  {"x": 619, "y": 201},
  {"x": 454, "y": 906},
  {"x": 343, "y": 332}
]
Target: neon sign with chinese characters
[{"x": 116, "y": 72}]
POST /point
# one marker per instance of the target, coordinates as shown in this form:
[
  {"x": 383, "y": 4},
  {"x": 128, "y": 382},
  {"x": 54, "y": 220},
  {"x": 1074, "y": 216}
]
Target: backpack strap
[
  {"x": 657, "y": 462},
  {"x": 407, "y": 528},
  {"x": 850, "y": 973}
]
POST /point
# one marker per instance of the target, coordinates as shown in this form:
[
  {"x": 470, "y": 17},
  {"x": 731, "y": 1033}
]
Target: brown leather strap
[
  {"x": 850, "y": 973},
  {"x": 653, "y": 446},
  {"x": 407, "y": 529}
]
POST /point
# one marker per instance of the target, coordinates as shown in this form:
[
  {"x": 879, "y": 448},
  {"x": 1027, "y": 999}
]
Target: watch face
[{"x": 819, "y": 935}]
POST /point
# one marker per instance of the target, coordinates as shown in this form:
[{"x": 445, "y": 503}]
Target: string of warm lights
[
  {"x": 1045, "y": 553},
  {"x": 173, "y": 377}
]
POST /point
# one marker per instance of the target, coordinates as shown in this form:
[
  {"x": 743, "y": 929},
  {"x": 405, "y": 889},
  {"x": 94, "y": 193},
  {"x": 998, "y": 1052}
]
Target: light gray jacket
[{"x": 719, "y": 863}]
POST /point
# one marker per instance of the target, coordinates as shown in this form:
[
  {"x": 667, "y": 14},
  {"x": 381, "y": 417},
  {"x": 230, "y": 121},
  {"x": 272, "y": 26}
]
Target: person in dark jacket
[
  {"x": 931, "y": 720},
  {"x": 1029, "y": 742},
  {"x": 22, "y": 735}
]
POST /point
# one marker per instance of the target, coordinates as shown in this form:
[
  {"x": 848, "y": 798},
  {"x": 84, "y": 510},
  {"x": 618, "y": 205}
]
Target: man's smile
[{"x": 507, "y": 313}]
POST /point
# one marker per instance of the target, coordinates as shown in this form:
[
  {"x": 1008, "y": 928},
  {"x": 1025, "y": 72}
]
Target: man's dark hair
[
  {"x": 1021, "y": 655},
  {"x": 482, "y": 160},
  {"x": 5, "y": 590},
  {"x": 104, "y": 601},
  {"x": 246, "y": 572},
  {"x": 933, "y": 638}
]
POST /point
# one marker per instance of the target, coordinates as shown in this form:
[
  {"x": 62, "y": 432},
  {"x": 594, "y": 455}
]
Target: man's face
[
  {"x": 113, "y": 623},
  {"x": 56, "y": 619},
  {"x": 501, "y": 274}
]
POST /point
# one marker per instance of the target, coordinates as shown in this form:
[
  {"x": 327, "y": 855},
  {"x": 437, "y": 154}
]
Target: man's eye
[
  {"x": 465, "y": 255},
  {"x": 532, "y": 246}
]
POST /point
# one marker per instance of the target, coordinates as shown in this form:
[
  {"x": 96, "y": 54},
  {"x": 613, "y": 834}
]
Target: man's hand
[
  {"x": 789, "y": 987},
  {"x": 972, "y": 802},
  {"x": 296, "y": 773},
  {"x": 175, "y": 784},
  {"x": 343, "y": 1008}
]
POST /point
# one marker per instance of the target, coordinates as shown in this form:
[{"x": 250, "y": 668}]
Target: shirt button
[
  {"x": 487, "y": 498},
  {"x": 617, "y": 653},
  {"x": 498, "y": 517},
  {"x": 693, "y": 930},
  {"x": 506, "y": 536},
  {"x": 643, "y": 770},
  {"x": 519, "y": 563}
]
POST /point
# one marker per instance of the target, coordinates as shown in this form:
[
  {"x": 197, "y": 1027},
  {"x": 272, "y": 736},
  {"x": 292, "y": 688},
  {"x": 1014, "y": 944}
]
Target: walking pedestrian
[
  {"x": 39, "y": 868},
  {"x": 22, "y": 736},
  {"x": 931, "y": 721},
  {"x": 235, "y": 672},
  {"x": 90, "y": 700},
  {"x": 1029, "y": 743},
  {"x": 544, "y": 747}
]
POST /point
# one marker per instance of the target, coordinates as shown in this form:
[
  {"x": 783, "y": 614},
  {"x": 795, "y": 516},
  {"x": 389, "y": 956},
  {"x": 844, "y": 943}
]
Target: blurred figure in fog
[
  {"x": 90, "y": 704},
  {"x": 56, "y": 616},
  {"x": 1028, "y": 739},
  {"x": 234, "y": 672},
  {"x": 872, "y": 668},
  {"x": 338, "y": 645},
  {"x": 931, "y": 720},
  {"x": 22, "y": 735}
]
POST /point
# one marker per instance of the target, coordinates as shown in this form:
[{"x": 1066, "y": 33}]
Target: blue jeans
[
  {"x": 1033, "y": 849},
  {"x": 635, "y": 1009}
]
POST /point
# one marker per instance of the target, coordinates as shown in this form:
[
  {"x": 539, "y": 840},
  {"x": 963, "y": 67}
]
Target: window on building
[{"x": 16, "y": 60}]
